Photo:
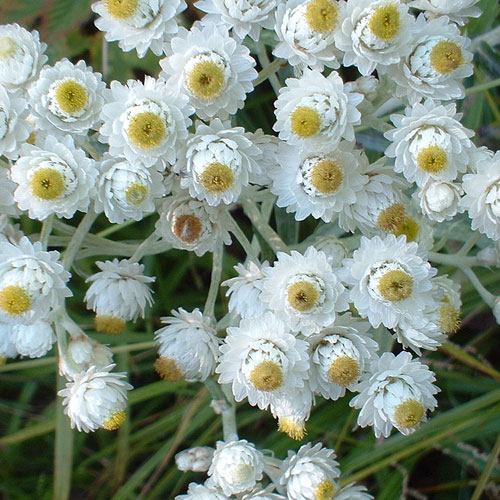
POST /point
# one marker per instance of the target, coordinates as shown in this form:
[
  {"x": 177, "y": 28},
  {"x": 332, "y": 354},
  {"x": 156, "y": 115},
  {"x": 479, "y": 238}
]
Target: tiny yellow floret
[
  {"x": 136, "y": 193},
  {"x": 302, "y": 296},
  {"x": 305, "y": 121},
  {"x": 391, "y": 217},
  {"x": 446, "y": 56},
  {"x": 8, "y": 47},
  {"x": 242, "y": 472},
  {"x": 14, "y": 300},
  {"x": 267, "y": 376},
  {"x": 187, "y": 228},
  {"x": 409, "y": 413},
  {"x": 409, "y": 227},
  {"x": 295, "y": 430},
  {"x": 325, "y": 490},
  {"x": 206, "y": 80},
  {"x": 71, "y": 96},
  {"x": 47, "y": 184},
  {"x": 121, "y": 9},
  {"x": 395, "y": 285},
  {"x": 168, "y": 369},
  {"x": 147, "y": 130},
  {"x": 344, "y": 371},
  {"x": 217, "y": 178},
  {"x": 432, "y": 159},
  {"x": 109, "y": 324},
  {"x": 322, "y": 15},
  {"x": 449, "y": 318},
  {"x": 385, "y": 22},
  {"x": 327, "y": 176},
  {"x": 114, "y": 421}
]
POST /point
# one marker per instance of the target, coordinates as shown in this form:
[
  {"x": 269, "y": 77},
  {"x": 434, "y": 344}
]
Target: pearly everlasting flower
[
  {"x": 244, "y": 290},
  {"x": 263, "y": 494},
  {"x": 244, "y": 17},
  {"x": 67, "y": 97},
  {"x": 262, "y": 361},
  {"x": 127, "y": 190},
  {"x": 439, "y": 200},
  {"x": 310, "y": 474},
  {"x": 269, "y": 146},
  {"x": 56, "y": 178},
  {"x": 334, "y": 249},
  {"x": 456, "y": 10},
  {"x": 32, "y": 282},
  {"x": 389, "y": 280},
  {"x": 318, "y": 181},
  {"x": 7, "y": 348},
  {"x": 306, "y": 32},
  {"x": 189, "y": 224},
  {"x": 429, "y": 141},
  {"x": 197, "y": 459},
  {"x": 21, "y": 56},
  {"x": 214, "y": 70},
  {"x": 352, "y": 492},
  {"x": 397, "y": 393},
  {"x": 303, "y": 291},
  {"x": 236, "y": 466},
  {"x": 340, "y": 354},
  {"x": 33, "y": 340},
  {"x": 438, "y": 61},
  {"x": 145, "y": 121},
  {"x": 188, "y": 346},
  {"x": 316, "y": 109},
  {"x": 118, "y": 293},
  {"x": 83, "y": 352},
  {"x": 201, "y": 492},
  {"x": 13, "y": 127},
  {"x": 217, "y": 162},
  {"x": 7, "y": 188},
  {"x": 374, "y": 34},
  {"x": 139, "y": 24},
  {"x": 96, "y": 398}
]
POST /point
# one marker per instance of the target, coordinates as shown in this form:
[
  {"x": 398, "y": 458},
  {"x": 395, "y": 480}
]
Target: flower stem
[
  {"x": 144, "y": 247},
  {"x": 223, "y": 393},
  {"x": 455, "y": 260},
  {"x": 268, "y": 71},
  {"x": 46, "y": 230},
  {"x": 77, "y": 238},
  {"x": 265, "y": 63},
  {"x": 488, "y": 297},
  {"x": 209, "y": 309},
  {"x": 483, "y": 479},
  {"x": 233, "y": 226}
]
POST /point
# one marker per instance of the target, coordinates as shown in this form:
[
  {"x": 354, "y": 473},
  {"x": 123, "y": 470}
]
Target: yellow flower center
[
  {"x": 242, "y": 473},
  {"x": 327, "y": 176},
  {"x": 395, "y": 285},
  {"x": 114, "y": 421},
  {"x": 305, "y": 121},
  {"x": 147, "y": 130},
  {"x": 344, "y": 371},
  {"x": 168, "y": 369},
  {"x": 409, "y": 227},
  {"x": 295, "y": 430},
  {"x": 136, "y": 193},
  {"x": 109, "y": 324},
  {"x": 409, "y": 413},
  {"x": 446, "y": 56},
  {"x": 206, "y": 80},
  {"x": 217, "y": 178},
  {"x": 121, "y": 9},
  {"x": 8, "y": 47},
  {"x": 302, "y": 296},
  {"x": 187, "y": 228},
  {"x": 385, "y": 22},
  {"x": 47, "y": 184},
  {"x": 325, "y": 490},
  {"x": 322, "y": 15},
  {"x": 14, "y": 300},
  {"x": 432, "y": 159},
  {"x": 71, "y": 96},
  {"x": 267, "y": 376},
  {"x": 391, "y": 217},
  {"x": 449, "y": 318}
]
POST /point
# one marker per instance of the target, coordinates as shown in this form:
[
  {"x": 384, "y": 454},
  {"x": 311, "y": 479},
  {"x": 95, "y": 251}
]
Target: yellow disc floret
[
  {"x": 147, "y": 130},
  {"x": 395, "y": 285},
  {"x": 327, "y": 176},
  {"x": 217, "y": 178},
  {"x": 409, "y": 413},
  {"x": 14, "y": 300},
  {"x": 446, "y": 56},
  {"x": 432, "y": 159},
  {"x": 391, "y": 217},
  {"x": 136, "y": 193},
  {"x": 322, "y": 15},
  {"x": 449, "y": 318},
  {"x": 344, "y": 371},
  {"x": 267, "y": 376},
  {"x": 114, "y": 421},
  {"x": 242, "y": 472},
  {"x": 302, "y": 296},
  {"x": 206, "y": 80},
  {"x": 187, "y": 228},
  {"x": 409, "y": 227},
  {"x": 121, "y": 9},
  {"x": 47, "y": 184},
  {"x": 109, "y": 324},
  {"x": 305, "y": 121},
  {"x": 8, "y": 47},
  {"x": 385, "y": 22},
  {"x": 168, "y": 369},
  {"x": 71, "y": 96},
  {"x": 325, "y": 490},
  {"x": 293, "y": 428}
]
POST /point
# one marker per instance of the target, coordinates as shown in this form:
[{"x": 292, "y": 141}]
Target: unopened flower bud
[{"x": 196, "y": 459}]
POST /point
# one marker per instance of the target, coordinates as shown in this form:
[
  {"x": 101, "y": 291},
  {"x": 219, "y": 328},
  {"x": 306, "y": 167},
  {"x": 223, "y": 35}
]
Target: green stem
[
  {"x": 233, "y": 226},
  {"x": 469, "y": 244},
  {"x": 455, "y": 260},
  {"x": 488, "y": 297},
  {"x": 144, "y": 247},
  {"x": 483, "y": 86},
  {"x": 223, "y": 393},
  {"x": 265, "y": 63},
  {"x": 46, "y": 230},
  {"x": 209, "y": 309},
  {"x": 483, "y": 479},
  {"x": 268, "y": 71},
  {"x": 77, "y": 238}
]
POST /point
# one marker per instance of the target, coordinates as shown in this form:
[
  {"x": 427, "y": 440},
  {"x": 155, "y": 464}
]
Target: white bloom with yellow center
[
  {"x": 438, "y": 61},
  {"x": 314, "y": 109},
  {"x": 340, "y": 354},
  {"x": 456, "y": 10},
  {"x": 244, "y": 17},
  {"x": 145, "y": 121},
  {"x": 262, "y": 361},
  {"x": 317, "y": 181},
  {"x": 389, "y": 280},
  {"x": 13, "y": 127},
  {"x": 139, "y": 24},
  {"x": 396, "y": 393},
  {"x": 306, "y": 32},
  {"x": 33, "y": 340},
  {"x": 439, "y": 200},
  {"x": 303, "y": 291},
  {"x": 310, "y": 474},
  {"x": 374, "y": 34},
  {"x": 7, "y": 187},
  {"x": 21, "y": 56},
  {"x": 67, "y": 97},
  {"x": 218, "y": 162},
  {"x": 96, "y": 398},
  {"x": 429, "y": 141},
  {"x": 214, "y": 70},
  {"x": 32, "y": 282},
  {"x": 190, "y": 224},
  {"x": 125, "y": 190},
  {"x": 188, "y": 346},
  {"x": 202, "y": 492}
]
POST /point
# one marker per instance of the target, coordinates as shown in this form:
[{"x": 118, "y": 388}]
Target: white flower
[
  {"x": 197, "y": 459},
  {"x": 13, "y": 127},
  {"x": 389, "y": 280},
  {"x": 211, "y": 68},
  {"x": 482, "y": 197},
  {"x": 145, "y": 121},
  {"x": 54, "y": 178},
  {"x": 21, "y": 56},
  {"x": 263, "y": 494},
  {"x": 315, "y": 108},
  {"x": 456, "y": 10},
  {"x": 269, "y": 145},
  {"x": 262, "y": 361},
  {"x": 244, "y": 17},
  {"x": 96, "y": 398},
  {"x": 310, "y": 474},
  {"x": 7, "y": 188},
  {"x": 139, "y": 24},
  {"x": 33, "y": 340},
  {"x": 218, "y": 162},
  {"x": 374, "y": 34},
  {"x": 340, "y": 354},
  {"x": 67, "y": 98},
  {"x": 352, "y": 492},
  {"x": 9, "y": 232},
  {"x": 244, "y": 290},
  {"x": 334, "y": 249},
  {"x": 84, "y": 352},
  {"x": 303, "y": 291},
  {"x": 306, "y": 32},
  {"x": 429, "y": 141},
  {"x": 439, "y": 200},
  {"x": 118, "y": 293},
  {"x": 32, "y": 282},
  {"x": 190, "y": 224},
  {"x": 201, "y": 492},
  {"x": 317, "y": 181},
  {"x": 188, "y": 346},
  {"x": 7, "y": 348},
  {"x": 438, "y": 61},
  {"x": 236, "y": 466},
  {"x": 127, "y": 190},
  {"x": 397, "y": 394}
]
